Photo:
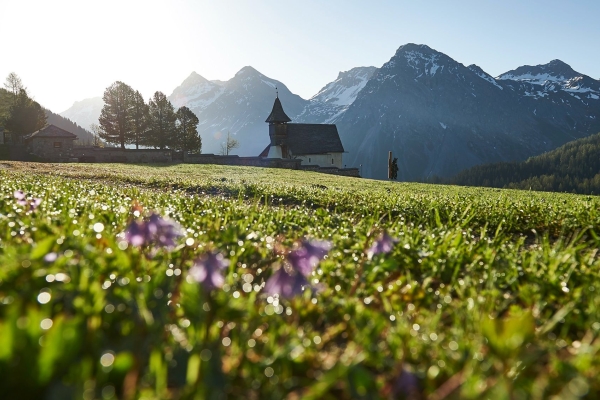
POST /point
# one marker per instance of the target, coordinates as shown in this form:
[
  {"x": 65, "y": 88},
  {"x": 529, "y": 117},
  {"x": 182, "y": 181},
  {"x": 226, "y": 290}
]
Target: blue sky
[{"x": 68, "y": 50}]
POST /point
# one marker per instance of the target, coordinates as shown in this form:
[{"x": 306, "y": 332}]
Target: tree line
[
  {"x": 127, "y": 119},
  {"x": 573, "y": 167},
  {"x": 19, "y": 113}
]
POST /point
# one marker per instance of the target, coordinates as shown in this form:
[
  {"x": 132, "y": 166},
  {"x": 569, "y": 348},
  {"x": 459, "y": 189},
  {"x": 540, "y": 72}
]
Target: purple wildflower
[
  {"x": 19, "y": 195},
  {"x": 136, "y": 233},
  {"x": 23, "y": 201},
  {"x": 35, "y": 202},
  {"x": 207, "y": 270},
  {"x": 307, "y": 256},
  {"x": 285, "y": 284},
  {"x": 156, "y": 230},
  {"x": 406, "y": 386},
  {"x": 302, "y": 261},
  {"x": 164, "y": 231},
  {"x": 382, "y": 245}
]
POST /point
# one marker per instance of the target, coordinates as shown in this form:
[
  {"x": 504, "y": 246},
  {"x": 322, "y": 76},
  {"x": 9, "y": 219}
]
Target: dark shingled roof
[
  {"x": 313, "y": 139},
  {"x": 52, "y": 131},
  {"x": 277, "y": 114}
]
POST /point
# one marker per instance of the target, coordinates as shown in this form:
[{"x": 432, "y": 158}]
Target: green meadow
[{"x": 487, "y": 293}]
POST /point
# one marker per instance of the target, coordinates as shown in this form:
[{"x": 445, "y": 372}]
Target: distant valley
[{"x": 435, "y": 114}]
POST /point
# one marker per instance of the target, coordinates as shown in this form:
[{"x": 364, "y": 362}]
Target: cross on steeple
[{"x": 276, "y": 92}]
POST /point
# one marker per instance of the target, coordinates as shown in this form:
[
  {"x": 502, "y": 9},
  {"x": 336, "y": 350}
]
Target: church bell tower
[{"x": 278, "y": 131}]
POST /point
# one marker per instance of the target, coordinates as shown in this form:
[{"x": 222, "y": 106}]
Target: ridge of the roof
[{"x": 52, "y": 131}]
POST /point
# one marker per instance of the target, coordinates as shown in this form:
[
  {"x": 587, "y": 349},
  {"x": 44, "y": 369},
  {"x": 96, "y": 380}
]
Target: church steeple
[{"x": 277, "y": 114}]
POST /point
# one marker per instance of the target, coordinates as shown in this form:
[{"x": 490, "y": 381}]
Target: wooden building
[{"x": 313, "y": 144}]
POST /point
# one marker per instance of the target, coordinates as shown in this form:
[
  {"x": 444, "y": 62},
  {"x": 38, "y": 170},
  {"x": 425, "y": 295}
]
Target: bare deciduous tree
[
  {"x": 96, "y": 130},
  {"x": 229, "y": 145},
  {"x": 14, "y": 84}
]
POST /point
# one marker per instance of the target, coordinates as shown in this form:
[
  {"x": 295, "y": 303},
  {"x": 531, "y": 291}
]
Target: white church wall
[{"x": 323, "y": 160}]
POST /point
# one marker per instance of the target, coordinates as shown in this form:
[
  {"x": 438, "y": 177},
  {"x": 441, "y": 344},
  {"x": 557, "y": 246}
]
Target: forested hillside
[
  {"x": 7, "y": 99},
  {"x": 84, "y": 137},
  {"x": 574, "y": 167}
]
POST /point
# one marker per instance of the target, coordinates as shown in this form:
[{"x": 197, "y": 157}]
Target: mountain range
[{"x": 435, "y": 114}]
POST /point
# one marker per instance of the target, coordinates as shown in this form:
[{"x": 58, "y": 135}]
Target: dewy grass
[{"x": 485, "y": 293}]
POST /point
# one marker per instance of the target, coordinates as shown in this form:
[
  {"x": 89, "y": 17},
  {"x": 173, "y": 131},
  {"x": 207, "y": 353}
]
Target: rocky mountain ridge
[{"x": 439, "y": 117}]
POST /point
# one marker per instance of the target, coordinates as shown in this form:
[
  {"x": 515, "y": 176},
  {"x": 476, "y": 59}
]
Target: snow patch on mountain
[
  {"x": 480, "y": 73},
  {"x": 343, "y": 91},
  {"x": 196, "y": 93},
  {"x": 330, "y": 103},
  {"x": 423, "y": 63},
  {"x": 537, "y": 79}
]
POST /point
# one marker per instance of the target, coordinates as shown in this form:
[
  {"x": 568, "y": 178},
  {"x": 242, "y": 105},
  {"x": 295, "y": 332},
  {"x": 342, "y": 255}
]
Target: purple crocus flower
[
  {"x": 382, "y": 245},
  {"x": 207, "y": 270},
  {"x": 301, "y": 261},
  {"x": 406, "y": 386},
  {"x": 136, "y": 234},
  {"x": 306, "y": 257},
  {"x": 285, "y": 284},
  {"x": 163, "y": 231},
  {"x": 35, "y": 203},
  {"x": 19, "y": 195},
  {"x": 156, "y": 230},
  {"x": 23, "y": 201}
]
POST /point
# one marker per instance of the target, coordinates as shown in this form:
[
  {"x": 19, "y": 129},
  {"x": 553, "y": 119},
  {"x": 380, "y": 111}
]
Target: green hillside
[
  {"x": 574, "y": 167},
  {"x": 485, "y": 293}
]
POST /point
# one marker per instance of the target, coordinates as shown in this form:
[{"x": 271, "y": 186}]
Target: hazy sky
[{"x": 70, "y": 50}]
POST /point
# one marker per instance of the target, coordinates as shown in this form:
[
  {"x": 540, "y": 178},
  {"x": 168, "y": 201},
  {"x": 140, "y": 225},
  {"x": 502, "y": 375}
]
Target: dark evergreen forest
[{"x": 573, "y": 167}]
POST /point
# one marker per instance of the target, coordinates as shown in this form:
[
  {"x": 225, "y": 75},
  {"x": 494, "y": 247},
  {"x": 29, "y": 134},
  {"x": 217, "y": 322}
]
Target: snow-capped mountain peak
[
  {"x": 418, "y": 59},
  {"x": 553, "y": 77},
  {"x": 195, "y": 92},
  {"x": 554, "y": 71},
  {"x": 343, "y": 91}
]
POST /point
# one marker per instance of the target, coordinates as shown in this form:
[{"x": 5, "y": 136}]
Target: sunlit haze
[{"x": 66, "y": 51}]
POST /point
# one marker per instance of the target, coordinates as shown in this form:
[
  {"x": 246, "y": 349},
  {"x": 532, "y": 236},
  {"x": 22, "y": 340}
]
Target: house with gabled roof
[
  {"x": 51, "y": 143},
  {"x": 313, "y": 144}
]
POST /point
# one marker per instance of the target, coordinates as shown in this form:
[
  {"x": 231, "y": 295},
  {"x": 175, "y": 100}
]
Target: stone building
[
  {"x": 313, "y": 144},
  {"x": 51, "y": 143}
]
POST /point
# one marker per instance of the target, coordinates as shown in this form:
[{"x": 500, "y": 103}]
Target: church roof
[
  {"x": 313, "y": 139},
  {"x": 277, "y": 114},
  {"x": 52, "y": 131}
]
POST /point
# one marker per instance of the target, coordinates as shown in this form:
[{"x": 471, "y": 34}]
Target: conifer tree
[
  {"x": 24, "y": 115},
  {"x": 162, "y": 128},
  {"x": 116, "y": 115},
  {"x": 188, "y": 139},
  {"x": 139, "y": 120}
]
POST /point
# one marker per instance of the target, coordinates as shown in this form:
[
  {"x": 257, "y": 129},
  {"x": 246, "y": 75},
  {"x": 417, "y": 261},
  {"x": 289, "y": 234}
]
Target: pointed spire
[{"x": 277, "y": 114}]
